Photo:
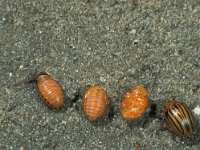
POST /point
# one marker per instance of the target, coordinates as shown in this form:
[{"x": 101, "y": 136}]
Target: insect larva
[
  {"x": 179, "y": 118},
  {"x": 134, "y": 104},
  {"x": 95, "y": 103},
  {"x": 50, "y": 91}
]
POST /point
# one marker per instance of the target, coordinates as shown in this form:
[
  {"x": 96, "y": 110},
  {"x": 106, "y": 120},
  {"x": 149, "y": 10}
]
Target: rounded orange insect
[
  {"x": 134, "y": 104},
  {"x": 50, "y": 91},
  {"x": 95, "y": 103}
]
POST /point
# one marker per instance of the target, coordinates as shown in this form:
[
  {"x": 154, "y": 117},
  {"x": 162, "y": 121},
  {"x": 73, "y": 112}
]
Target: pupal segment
[
  {"x": 50, "y": 91},
  {"x": 134, "y": 104},
  {"x": 95, "y": 103}
]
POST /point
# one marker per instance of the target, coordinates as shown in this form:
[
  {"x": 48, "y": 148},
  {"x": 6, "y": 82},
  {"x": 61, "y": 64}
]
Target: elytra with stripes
[{"x": 179, "y": 118}]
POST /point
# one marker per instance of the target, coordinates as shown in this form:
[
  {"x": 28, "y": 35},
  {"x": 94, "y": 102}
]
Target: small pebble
[{"x": 196, "y": 110}]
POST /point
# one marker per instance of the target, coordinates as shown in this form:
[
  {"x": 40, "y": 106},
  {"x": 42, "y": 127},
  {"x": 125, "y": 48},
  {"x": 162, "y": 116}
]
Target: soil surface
[{"x": 114, "y": 43}]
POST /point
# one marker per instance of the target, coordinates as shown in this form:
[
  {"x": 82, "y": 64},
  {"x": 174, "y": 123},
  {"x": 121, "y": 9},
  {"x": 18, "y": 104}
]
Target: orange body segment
[
  {"x": 95, "y": 103},
  {"x": 134, "y": 104},
  {"x": 50, "y": 91}
]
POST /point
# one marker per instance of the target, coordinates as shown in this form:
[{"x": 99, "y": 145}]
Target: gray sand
[{"x": 114, "y": 43}]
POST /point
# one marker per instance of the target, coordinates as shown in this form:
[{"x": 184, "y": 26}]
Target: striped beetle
[{"x": 179, "y": 118}]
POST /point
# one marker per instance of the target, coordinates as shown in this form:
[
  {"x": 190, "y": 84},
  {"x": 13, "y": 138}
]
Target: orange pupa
[
  {"x": 134, "y": 104},
  {"x": 50, "y": 91},
  {"x": 95, "y": 103}
]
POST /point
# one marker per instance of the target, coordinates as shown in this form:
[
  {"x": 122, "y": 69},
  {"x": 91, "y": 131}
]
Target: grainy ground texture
[{"x": 114, "y": 43}]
